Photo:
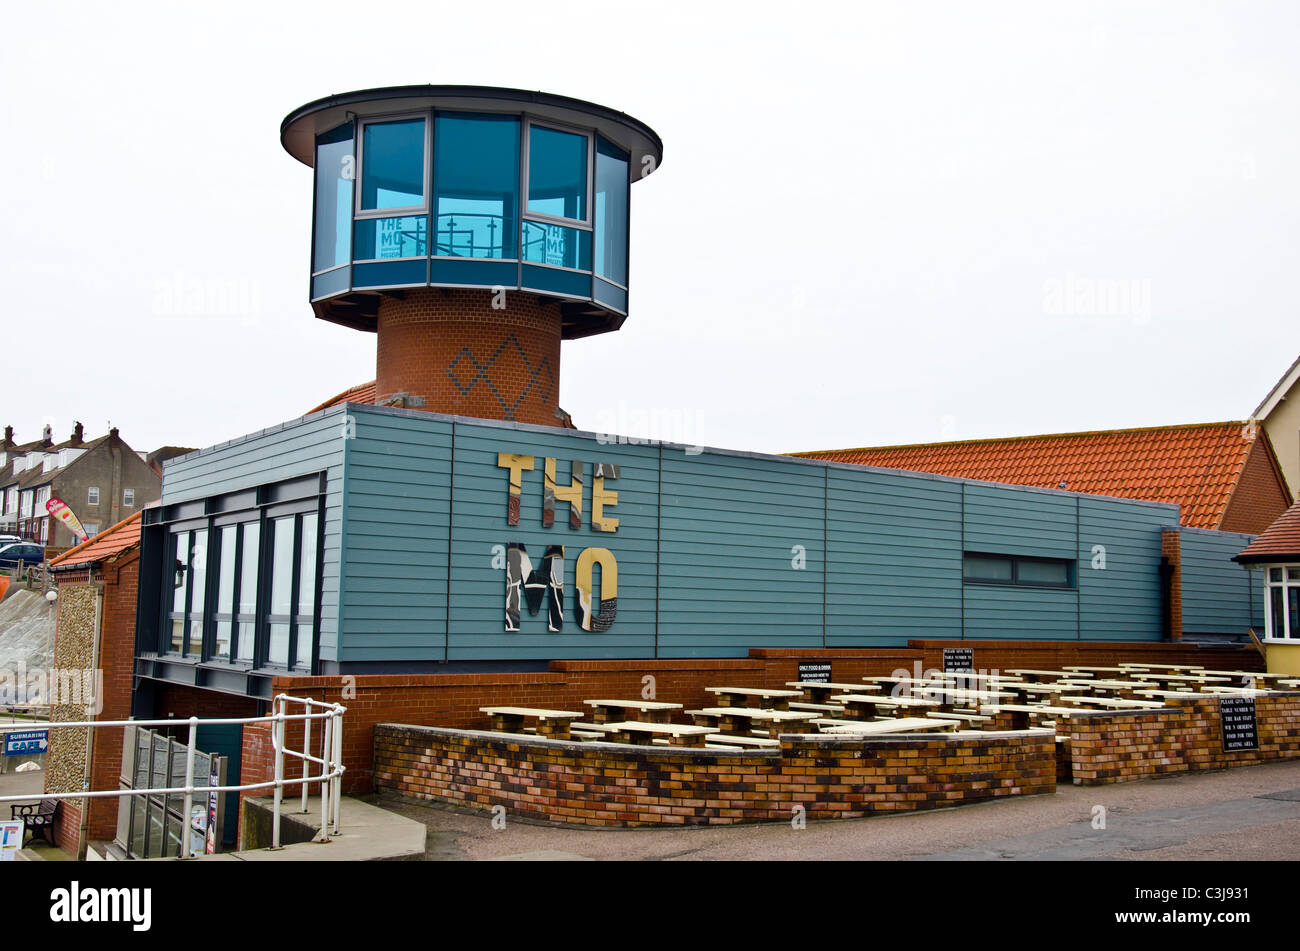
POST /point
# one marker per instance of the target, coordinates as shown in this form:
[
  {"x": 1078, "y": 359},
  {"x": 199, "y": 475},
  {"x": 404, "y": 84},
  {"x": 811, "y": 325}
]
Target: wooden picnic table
[
  {"x": 1118, "y": 703},
  {"x": 644, "y": 734},
  {"x": 1039, "y": 674},
  {"x": 1023, "y": 715},
  {"x": 741, "y": 720},
  {"x": 1243, "y": 674},
  {"x": 1049, "y": 690},
  {"x": 767, "y": 697},
  {"x": 1180, "y": 678},
  {"x": 855, "y": 704},
  {"x": 1104, "y": 670},
  {"x": 735, "y": 741},
  {"x": 818, "y": 692},
  {"x": 1173, "y": 667},
  {"x": 651, "y": 711},
  {"x": 550, "y": 723},
  {"x": 1104, "y": 688},
  {"x": 899, "y": 725}
]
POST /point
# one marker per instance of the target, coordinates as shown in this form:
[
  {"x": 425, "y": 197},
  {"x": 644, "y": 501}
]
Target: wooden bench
[
  {"x": 900, "y": 725},
  {"x": 553, "y": 724},
  {"x": 856, "y": 704},
  {"x": 741, "y": 720},
  {"x": 642, "y": 734},
  {"x": 767, "y": 697},
  {"x": 736, "y": 742},
  {"x": 817, "y": 692},
  {"x": 1038, "y": 675},
  {"x": 37, "y": 817},
  {"x": 1116, "y": 703},
  {"x": 652, "y": 711},
  {"x": 816, "y": 707}
]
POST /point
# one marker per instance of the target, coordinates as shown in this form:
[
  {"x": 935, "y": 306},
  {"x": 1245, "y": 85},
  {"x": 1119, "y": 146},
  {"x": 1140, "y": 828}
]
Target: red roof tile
[
  {"x": 1279, "y": 542},
  {"x": 361, "y": 393},
  {"x": 1195, "y": 467},
  {"x": 110, "y": 542}
]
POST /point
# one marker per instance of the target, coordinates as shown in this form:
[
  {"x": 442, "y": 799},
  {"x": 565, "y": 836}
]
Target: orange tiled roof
[
  {"x": 1195, "y": 467},
  {"x": 108, "y": 543},
  {"x": 361, "y": 393},
  {"x": 1279, "y": 542}
]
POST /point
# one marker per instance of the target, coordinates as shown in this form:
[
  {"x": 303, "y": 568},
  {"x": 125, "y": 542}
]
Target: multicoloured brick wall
[
  {"x": 1186, "y": 736},
  {"x": 830, "y": 777}
]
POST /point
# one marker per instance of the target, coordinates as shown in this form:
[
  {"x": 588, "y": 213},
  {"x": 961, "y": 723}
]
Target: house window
[
  {"x": 92, "y": 495},
  {"x": 1018, "y": 570},
  {"x": 1282, "y": 619},
  {"x": 92, "y": 529},
  {"x": 128, "y": 497},
  {"x": 291, "y": 615},
  {"x": 190, "y": 580}
]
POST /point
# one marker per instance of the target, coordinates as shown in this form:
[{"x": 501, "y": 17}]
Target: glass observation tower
[{"x": 472, "y": 228}]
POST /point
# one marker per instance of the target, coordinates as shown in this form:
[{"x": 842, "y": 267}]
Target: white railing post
[
  {"x": 187, "y": 835},
  {"x": 306, "y": 752},
  {"x": 325, "y": 746},
  {"x": 277, "y": 742},
  {"x": 336, "y": 762}
]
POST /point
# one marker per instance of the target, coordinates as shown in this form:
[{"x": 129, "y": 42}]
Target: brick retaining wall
[
  {"x": 831, "y": 777},
  {"x": 1184, "y": 737}
]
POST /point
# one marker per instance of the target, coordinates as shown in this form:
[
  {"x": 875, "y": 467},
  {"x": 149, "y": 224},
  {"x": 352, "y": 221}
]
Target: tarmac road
[{"x": 1250, "y": 813}]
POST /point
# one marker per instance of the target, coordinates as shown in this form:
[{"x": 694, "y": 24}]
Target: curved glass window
[
  {"x": 557, "y": 245},
  {"x": 476, "y": 186},
  {"x": 557, "y": 173},
  {"x": 611, "y": 212},
  {"x": 392, "y": 165},
  {"x": 334, "y": 174},
  {"x": 381, "y": 238}
]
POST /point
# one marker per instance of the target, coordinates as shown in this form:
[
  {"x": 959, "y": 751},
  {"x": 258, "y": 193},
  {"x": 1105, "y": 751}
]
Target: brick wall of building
[
  {"x": 1260, "y": 496},
  {"x": 829, "y": 777},
  {"x": 1186, "y": 736},
  {"x": 465, "y": 357}
]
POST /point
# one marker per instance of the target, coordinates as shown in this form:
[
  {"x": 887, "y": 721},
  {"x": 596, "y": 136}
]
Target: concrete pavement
[{"x": 1247, "y": 813}]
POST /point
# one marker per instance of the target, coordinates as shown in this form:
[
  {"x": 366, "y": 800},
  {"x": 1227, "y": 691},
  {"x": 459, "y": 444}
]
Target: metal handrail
[{"x": 330, "y": 762}]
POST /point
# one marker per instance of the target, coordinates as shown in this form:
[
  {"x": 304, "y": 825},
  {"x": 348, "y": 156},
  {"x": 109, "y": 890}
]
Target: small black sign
[
  {"x": 959, "y": 659},
  {"x": 815, "y": 672},
  {"x": 1238, "y": 717}
]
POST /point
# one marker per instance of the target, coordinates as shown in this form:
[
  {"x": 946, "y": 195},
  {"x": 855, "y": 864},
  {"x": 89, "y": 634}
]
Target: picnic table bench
[
  {"x": 1048, "y": 690},
  {"x": 1117, "y": 703},
  {"x": 550, "y": 723},
  {"x": 1105, "y": 670},
  {"x": 1180, "y": 678},
  {"x": 643, "y": 734},
  {"x": 856, "y": 704},
  {"x": 741, "y": 720},
  {"x": 796, "y": 705},
  {"x": 820, "y": 692},
  {"x": 1104, "y": 688},
  {"x": 899, "y": 725},
  {"x": 768, "y": 697},
  {"x": 653, "y": 711},
  {"x": 735, "y": 741},
  {"x": 1023, "y": 715},
  {"x": 1173, "y": 667},
  {"x": 1037, "y": 675}
]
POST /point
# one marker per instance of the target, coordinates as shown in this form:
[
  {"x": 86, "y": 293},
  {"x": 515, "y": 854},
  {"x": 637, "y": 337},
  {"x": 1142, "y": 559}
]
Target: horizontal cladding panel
[
  {"x": 1120, "y": 547},
  {"x": 754, "y": 525},
  {"x": 1219, "y": 597},
  {"x": 1021, "y": 613},
  {"x": 398, "y": 488},
  {"x": 1014, "y": 522}
]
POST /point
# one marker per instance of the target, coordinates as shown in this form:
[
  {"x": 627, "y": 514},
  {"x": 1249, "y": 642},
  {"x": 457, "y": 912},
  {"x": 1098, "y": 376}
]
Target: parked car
[
  {"x": 23, "y": 553},
  {"x": 7, "y": 540}
]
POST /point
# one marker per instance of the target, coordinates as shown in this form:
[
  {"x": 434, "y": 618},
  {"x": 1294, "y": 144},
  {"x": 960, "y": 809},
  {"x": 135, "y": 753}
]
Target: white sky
[{"x": 875, "y": 223}]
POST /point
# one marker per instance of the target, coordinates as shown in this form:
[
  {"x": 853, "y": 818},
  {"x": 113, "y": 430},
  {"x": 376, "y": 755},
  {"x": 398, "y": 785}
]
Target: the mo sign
[{"x": 526, "y": 585}]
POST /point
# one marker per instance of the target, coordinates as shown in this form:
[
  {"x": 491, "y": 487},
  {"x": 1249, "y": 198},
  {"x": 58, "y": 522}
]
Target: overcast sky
[{"x": 874, "y": 223}]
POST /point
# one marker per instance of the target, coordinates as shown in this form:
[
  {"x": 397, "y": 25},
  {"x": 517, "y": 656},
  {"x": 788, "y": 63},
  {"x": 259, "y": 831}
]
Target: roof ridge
[{"x": 997, "y": 439}]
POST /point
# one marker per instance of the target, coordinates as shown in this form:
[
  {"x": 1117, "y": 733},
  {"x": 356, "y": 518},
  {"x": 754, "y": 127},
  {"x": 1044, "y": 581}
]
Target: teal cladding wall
[
  {"x": 707, "y": 549},
  {"x": 1219, "y": 596}
]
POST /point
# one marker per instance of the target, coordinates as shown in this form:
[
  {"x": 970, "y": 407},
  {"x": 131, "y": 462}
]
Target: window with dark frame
[
  {"x": 257, "y": 606},
  {"x": 1017, "y": 570}
]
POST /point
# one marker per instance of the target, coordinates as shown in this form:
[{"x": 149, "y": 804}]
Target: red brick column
[
  {"x": 464, "y": 356},
  {"x": 1171, "y": 548}
]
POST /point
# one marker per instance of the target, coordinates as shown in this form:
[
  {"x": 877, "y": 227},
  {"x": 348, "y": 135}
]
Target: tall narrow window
[
  {"x": 305, "y": 621},
  {"x": 476, "y": 186},
  {"x": 246, "y": 599},
  {"x": 224, "y": 609},
  {"x": 333, "y": 217},
  {"x": 611, "y": 212},
  {"x": 282, "y": 541},
  {"x": 392, "y": 165},
  {"x": 92, "y": 495},
  {"x": 557, "y": 173},
  {"x": 128, "y": 497}
]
